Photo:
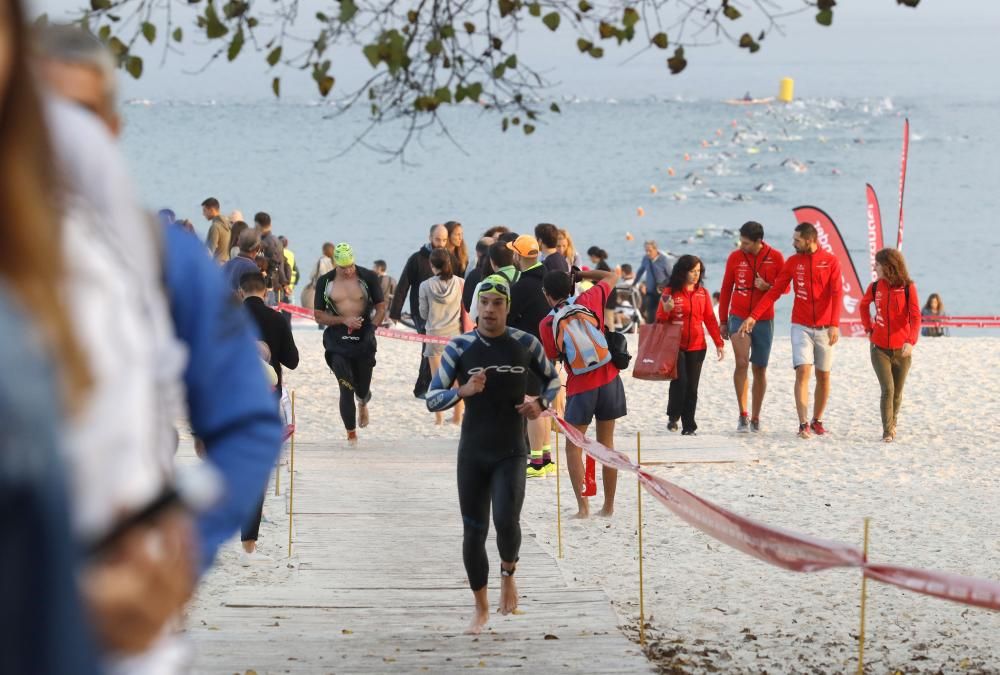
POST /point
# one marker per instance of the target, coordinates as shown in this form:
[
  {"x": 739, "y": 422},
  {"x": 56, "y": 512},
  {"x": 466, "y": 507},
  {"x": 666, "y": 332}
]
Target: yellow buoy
[{"x": 786, "y": 90}]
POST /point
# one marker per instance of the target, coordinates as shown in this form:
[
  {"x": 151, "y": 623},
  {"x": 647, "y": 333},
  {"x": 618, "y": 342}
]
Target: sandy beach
[{"x": 933, "y": 496}]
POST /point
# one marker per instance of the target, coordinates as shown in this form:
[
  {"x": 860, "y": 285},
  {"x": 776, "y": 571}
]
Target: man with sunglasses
[{"x": 491, "y": 365}]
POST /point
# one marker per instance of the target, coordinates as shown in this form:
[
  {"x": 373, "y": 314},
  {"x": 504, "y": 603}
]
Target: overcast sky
[{"x": 875, "y": 48}]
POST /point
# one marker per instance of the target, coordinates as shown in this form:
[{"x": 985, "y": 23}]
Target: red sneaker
[{"x": 817, "y": 427}]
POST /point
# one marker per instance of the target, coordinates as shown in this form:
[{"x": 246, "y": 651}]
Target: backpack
[{"x": 579, "y": 338}]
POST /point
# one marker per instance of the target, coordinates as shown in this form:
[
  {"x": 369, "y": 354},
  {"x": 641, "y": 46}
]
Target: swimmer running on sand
[{"x": 491, "y": 365}]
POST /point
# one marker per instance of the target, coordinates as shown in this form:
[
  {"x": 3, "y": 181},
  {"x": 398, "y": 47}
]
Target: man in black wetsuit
[
  {"x": 349, "y": 303},
  {"x": 491, "y": 364}
]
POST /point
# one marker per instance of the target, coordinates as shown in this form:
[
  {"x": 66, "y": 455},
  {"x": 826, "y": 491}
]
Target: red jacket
[
  {"x": 692, "y": 309},
  {"x": 895, "y": 323},
  {"x": 738, "y": 282},
  {"x": 819, "y": 289}
]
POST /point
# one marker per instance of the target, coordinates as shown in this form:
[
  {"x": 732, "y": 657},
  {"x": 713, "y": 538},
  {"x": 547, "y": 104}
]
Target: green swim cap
[
  {"x": 343, "y": 255},
  {"x": 495, "y": 283}
]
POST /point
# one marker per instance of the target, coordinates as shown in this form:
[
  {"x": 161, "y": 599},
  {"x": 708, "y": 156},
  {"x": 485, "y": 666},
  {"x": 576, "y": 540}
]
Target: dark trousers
[
  {"x": 424, "y": 374},
  {"x": 483, "y": 482},
  {"x": 251, "y": 529},
  {"x": 354, "y": 377},
  {"x": 683, "y": 400},
  {"x": 890, "y": 369},
  {"x": 650, "y": 301}
]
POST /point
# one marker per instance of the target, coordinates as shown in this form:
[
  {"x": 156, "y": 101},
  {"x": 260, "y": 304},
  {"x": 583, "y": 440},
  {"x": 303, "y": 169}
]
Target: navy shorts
[
  {"x": 761, "y": 338},
  {"x": 604, "y": 403}
]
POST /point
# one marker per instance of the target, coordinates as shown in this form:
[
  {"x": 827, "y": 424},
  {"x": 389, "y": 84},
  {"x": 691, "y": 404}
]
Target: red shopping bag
[
  {"x": 589, "y": 478},
  {"x": 659, "y": 344}
]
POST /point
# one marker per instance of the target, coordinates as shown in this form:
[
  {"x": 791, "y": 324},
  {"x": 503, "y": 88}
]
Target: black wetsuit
[
  {"x": 351, "y": 355},
  {"x": 492, "y": 450}
]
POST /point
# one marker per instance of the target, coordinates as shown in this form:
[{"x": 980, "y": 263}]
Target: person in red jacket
[
  {"x": 893, "y": 331},
  {"x": 750, "y": 272},
  {"x": 819, "y": 296},
  {"x": 685, "y": 301}
]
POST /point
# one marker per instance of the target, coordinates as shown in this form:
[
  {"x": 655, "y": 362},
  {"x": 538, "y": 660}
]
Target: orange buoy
[
  {"x": 704, "y": 143},
  {"x": 640, "y": 212},
  {"x": 733, "y": 123},
  {"x": 652, "y": 188},
  {"x": 718, "y": 132},
  {"x": 687, "y": 157},
  {"x": 670, "y": 171},
  {"x": 629, "y": 237}
]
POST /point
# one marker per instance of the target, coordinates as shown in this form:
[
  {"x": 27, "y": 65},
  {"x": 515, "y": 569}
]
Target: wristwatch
[{"x": 542, "y": 403}]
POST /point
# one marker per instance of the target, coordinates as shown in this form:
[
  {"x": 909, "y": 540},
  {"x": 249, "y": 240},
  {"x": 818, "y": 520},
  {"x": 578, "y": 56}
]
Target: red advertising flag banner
[
  {"x": 954, "y": 587},
  {"x": 874, "y": 217},
  {"x": 831, "y": 241}
]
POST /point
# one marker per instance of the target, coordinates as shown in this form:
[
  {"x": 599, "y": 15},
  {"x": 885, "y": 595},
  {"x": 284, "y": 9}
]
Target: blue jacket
[
  {"x": 229, "y": 402},
  {"x": 656, "y": 273},
  {"x": 43, "y": 628}
]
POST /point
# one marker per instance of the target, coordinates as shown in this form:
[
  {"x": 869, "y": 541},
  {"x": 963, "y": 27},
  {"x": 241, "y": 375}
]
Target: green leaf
[
  {"x": 824, "y": 17},
  {"x": 117, "y": 47},
  {"x": 507, "y": 7},
  {"x": 149, "y": 32},
  {"x": 274, "y": 57},
  {"x": 499, "y": 71},
  {"x": 677, "y": 62},
  {"x": 213, "y": 27},
  {"x": 754, "y": 48},
  {"x": 515, "y": 121},
  {"x": 551, "y": 20},
  {"x": 134, "y": 66},
  {"x": 347, "y": 10},
  {"x": 504, "y": 124},
  {"x": 529, "y": 129},
  {"x": 447, "y": 31},
  {"x": 434, "y": 47},
  {"x": 660, "y": 40},
  {"x": 104, "y": 33},
  {"x": 235, "y": 46},
  {"x": 630, "y": 17},
  {"x": 322, "y": 18},
  {"x": 98, "y": 5},
  {"x": 475, "y": 90},
  {"x": 496, "y": 42},
  {"x": 276, "y": 87},
  {"x": 597, "y": 52},
  {"x": 325, "y": 84},
  {"x": 731, "y": 13},
  {"x": 585, "y": 6},
  {"x": 443, "y": 95},
  {"x": 252, "y": 22},
  {"x": 511, "y": 61},
  {"x": 830, "y": 4},
  {"x": 745, "y": 40},
  {"x": 535, "y": 9},
  {"x": 555, "y": 108},
  {"x": 584, "y": 45},
  {"x": 470, "y": 27},
  {"x": 178, "y": 35},
  {"x": 412, "y": 16},
  {"x": 373, "y": 54},
  {"x": 606, "y": 30}
]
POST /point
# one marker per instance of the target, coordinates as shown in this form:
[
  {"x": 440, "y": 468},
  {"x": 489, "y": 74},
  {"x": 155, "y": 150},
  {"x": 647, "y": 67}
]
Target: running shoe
[
  {"x": 255, "y": 558},
  {"x": 804, "y": 430},
  {"x": 552, "y": 468},
  {"x": 755, "y": 426},
  {"x": 743, "y": 426},
  {"x": 817, "y": 427},
  {"x": 689, "y": 432},
  {"x": 672, "y": 425},
  {"x": 537, "y": 471}
]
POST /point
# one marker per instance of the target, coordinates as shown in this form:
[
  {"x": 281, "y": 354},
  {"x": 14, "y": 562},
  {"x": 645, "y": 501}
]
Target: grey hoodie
[{"x": 441, "y": 305}]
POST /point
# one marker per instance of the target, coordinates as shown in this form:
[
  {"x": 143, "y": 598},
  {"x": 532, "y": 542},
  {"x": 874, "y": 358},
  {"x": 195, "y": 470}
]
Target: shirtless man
[{"x": 350, "y": 304}]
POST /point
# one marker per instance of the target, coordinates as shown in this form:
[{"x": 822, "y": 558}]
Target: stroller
[{"x": 629, "y": 308}]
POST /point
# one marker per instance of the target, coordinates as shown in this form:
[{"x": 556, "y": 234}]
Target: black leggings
[
  {"x": 683, "y": 399},
  {"x": 480, "y": 482},
  {"x": 354, "y": 376},
  {"x": 251, "y": 529}
]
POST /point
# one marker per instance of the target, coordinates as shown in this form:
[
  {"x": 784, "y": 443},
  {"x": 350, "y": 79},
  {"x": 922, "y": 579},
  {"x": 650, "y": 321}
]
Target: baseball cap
[
  {"x": 525, "y": 245},
  {"x": 343, "y": 255}
]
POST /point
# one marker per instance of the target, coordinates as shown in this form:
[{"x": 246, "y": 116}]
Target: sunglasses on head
[{"x": 488, "y": 286}]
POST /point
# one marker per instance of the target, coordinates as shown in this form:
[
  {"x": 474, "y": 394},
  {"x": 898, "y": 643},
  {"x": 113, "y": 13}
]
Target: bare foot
[
  {"x": 606, "y": 512},
  {"x": 352, "y": 438},
  {"x": 508, "y": 596},
  {"x": 457, "y": 421},
  {"x": 582, "y": 514},
  {"x": 438, "y": 420},
  {"x": 362, "y": 416},
  {"x": 479, "y": 620}
]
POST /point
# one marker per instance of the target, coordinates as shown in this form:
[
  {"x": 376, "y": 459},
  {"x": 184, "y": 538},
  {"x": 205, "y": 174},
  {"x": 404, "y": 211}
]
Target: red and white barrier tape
[
  {"x": 392, "y": 333},
  {"x": 784, "y": 548}
]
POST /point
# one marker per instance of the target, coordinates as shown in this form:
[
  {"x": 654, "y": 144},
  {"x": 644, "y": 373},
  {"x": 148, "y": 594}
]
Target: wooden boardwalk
[{"x": 378, "y": 584}]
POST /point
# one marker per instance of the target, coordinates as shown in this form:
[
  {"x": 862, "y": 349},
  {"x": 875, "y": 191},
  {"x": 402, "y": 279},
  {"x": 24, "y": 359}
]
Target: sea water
[{"x": 590, "y": 169}]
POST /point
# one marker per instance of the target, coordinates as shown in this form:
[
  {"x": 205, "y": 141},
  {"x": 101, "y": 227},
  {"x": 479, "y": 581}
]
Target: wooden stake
[
  {"x": 864, "y": 597},
  {"x": 642, "y": 596},
  {"x": 291, "y": 480},
  {"x": 558, "y": 501}
]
